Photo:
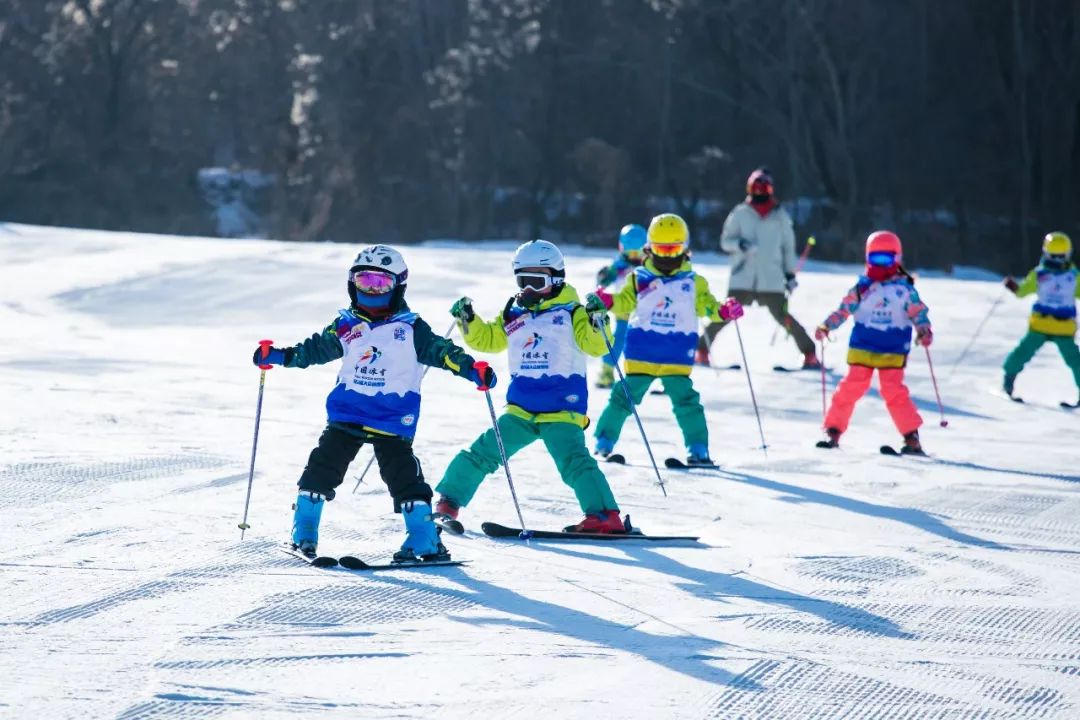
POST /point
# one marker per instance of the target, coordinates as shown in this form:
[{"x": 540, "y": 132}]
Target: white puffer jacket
[{"x": 764, "y": 265}]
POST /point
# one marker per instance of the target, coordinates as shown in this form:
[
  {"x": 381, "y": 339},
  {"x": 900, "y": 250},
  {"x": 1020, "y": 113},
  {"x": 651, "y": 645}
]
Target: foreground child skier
[
  {"x": 664, "y": 299},
  {"x": 376, "y": 399},
  {"x": 632, "y": 239},
  {"x": 547, "y": 333},
  {"x": 886, "y": 306},
  {"x": 1053, "y": 317}
]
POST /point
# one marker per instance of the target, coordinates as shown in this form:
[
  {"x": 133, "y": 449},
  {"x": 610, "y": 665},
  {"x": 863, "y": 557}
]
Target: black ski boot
[
  {"x": 912, "y": 446},
  {"x": 833, "y": 441}
]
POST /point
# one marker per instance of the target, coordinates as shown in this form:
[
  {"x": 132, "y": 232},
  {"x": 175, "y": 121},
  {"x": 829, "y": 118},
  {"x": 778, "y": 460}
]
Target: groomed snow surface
[{"x": 828, "y": 584}]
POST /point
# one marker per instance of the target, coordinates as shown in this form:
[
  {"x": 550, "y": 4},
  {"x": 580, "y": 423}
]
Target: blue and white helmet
[{"x": 633, "y": 237}]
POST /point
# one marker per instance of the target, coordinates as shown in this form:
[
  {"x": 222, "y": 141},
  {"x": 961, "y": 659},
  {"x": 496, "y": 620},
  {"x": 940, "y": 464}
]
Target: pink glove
[
  {"x": 924, "y": 336},
  {"x": 821, "y": 332},
  {"x": 731, "y": 309},
  {"x": 605, "y": 297}
]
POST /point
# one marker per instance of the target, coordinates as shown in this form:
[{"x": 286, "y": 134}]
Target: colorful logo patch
[
  {"x": 399, "y": 334},
  {"x": 408, "y": 420},
  {"x": 371, "y": 355},
  {"x": 664, "y": 304},
  {"x": 533, "y": 342}
]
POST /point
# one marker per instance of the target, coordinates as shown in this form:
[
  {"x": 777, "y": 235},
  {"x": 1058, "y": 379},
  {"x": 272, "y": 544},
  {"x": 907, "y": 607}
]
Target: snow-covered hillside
[{"x": 835, "y": 584}]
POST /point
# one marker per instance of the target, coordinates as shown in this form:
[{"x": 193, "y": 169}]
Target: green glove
[
  {"x": 462, "y": 309},
  {"x": 595, "y": 309}
]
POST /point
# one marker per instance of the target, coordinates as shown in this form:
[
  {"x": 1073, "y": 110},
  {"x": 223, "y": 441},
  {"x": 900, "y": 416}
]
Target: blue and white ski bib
[
  {"x": 663, "y": 330},
  {"x": 379, "y": 381},
  {"x": 547, "y": 368},
  {"x": 882, "y": 324}
]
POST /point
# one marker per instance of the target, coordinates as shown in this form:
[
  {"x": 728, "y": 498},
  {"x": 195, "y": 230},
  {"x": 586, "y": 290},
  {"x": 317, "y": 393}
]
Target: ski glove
[
  {"x": 821, "y": 332},
  {"x": 747, "y": 245},
  {"x": 603, "y": 296},
  {"x": 732, "y": 309},
  {"x": 791, "y": 283},
  {"x": 924, "y": 336},
  {"x": 276, "y": 356},
  {"x": 462, "y": 309},
  {"x": 1012, "y": 285},
  {"x": 596, "y": 309},
  {"x": 483, "y": 376}
]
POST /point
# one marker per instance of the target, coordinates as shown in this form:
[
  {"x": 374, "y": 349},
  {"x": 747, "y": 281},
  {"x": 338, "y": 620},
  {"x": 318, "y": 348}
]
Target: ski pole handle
[
  {"x": 481, "y": 367},
  {"x": 265, "y": 346}
]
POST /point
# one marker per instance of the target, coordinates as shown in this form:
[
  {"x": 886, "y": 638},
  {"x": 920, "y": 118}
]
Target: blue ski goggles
[{"x": 881, "y": 259}]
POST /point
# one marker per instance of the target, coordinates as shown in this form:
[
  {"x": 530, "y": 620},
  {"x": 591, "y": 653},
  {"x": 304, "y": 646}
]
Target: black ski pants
[{"x": 338, "y": 445}]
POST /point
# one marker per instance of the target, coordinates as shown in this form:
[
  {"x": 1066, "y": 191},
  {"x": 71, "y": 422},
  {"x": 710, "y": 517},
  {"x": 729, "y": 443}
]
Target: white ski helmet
[
  {"x": 381, "y": 257},
  {"x": 540, "y": 254},
  {"x": 384, "y": 259}
]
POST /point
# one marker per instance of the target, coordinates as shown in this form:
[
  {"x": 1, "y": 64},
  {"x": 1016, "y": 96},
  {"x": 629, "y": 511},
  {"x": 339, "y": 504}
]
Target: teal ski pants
[
  {"x": 1030, "y": 344},
  {"x": 564, "y": 440},
  {"x": 685, "y": 401}
]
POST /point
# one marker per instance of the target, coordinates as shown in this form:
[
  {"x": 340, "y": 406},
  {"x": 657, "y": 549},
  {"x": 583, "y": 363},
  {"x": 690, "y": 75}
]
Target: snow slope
[{"x": 828, "y": 584}]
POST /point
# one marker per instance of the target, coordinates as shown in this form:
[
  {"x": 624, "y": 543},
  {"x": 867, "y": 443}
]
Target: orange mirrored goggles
[{"x": 667, "y": 249}]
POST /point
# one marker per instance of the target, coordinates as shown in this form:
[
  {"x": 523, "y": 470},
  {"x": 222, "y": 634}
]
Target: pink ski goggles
[{"x": 373, "y": 282}]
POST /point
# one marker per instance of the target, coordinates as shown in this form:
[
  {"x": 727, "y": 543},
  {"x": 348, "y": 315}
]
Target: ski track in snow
[{"x": 829, "y": 584}]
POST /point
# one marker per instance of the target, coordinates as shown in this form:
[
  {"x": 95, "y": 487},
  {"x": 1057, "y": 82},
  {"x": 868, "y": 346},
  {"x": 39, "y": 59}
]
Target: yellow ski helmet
[
  {"x": 668, "y": 235},
  {"x": 1057, "y": 243}
]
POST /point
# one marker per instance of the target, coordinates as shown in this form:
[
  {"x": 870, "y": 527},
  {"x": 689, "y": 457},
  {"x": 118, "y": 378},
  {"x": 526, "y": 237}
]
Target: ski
[
  {"x": 829, "y": 445},
  {"x": 319, "y": 561},
  {"x": 676, "y": 464},
  {"x": 449, "y": 524},
  {"x": 782, "y": 369},
  {"x": 351, "y": 562},
  {"x": 1068, "y": 405},
  {"x": 502, "y": 531},
  {"x": 891, "y": 451},
  {"x": 617, "y": 458}
]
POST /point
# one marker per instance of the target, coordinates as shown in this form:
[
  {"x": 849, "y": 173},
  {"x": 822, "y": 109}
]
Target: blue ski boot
[
  {"x": 604, "y": 446},
  {"x": 305, "y": 532},
  {"x": 422, "y": 535},
  {"x": 699, "y": 456}
]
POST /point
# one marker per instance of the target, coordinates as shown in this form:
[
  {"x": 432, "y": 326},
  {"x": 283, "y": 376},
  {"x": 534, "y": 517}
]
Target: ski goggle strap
[
  {"x": 373, "y": 282},
  {"x": 668, "y": 250},
  {"x": 881, "y": 259},
  {"x": 536, "y": 281}
]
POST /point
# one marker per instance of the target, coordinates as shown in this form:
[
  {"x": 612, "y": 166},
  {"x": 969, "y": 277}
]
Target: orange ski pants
[{"x": 893, "y": 391}]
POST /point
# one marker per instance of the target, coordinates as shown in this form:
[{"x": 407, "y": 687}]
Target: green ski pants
[
  {"x": 566, "y": 443},
  {"x": 1030, "y": 344},
  {"x": 685, "y": 401}
]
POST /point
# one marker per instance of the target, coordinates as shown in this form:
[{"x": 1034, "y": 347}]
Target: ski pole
[
  {"x": 481, "y": 366},
  {"x": 633, "y": 408},
  {"x": 978, "y": 330},
  {"x": 824, "y": 411},
  {"x": 753, "y": 398},
  {"x": 937, "y": 393},
  {"x": 264, "y": 345},
  {"x": 810, "y": 242},
  {"x": 371, "y": 460}
]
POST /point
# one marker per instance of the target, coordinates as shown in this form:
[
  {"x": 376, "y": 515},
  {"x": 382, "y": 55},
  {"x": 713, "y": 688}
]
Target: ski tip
[
  {"x": 889, "y": 450},
  {"x": 616, "y": 458}
]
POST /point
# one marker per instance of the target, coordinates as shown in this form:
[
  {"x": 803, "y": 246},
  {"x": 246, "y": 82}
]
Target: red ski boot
[
  {"x": 605, "y": 521},
  {"x": 447, "y": 508}
]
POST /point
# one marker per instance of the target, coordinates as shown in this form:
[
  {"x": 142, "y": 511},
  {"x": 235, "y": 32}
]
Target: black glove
[
  {"x": 746, "y": 244},
  {"x": 1012, "y": 285}
]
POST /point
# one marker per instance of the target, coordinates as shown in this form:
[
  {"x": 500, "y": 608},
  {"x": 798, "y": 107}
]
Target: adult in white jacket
[{"x": 759, "y": 235}]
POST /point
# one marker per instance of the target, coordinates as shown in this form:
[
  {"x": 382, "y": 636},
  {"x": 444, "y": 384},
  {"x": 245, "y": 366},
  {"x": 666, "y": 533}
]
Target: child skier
[
  {"x": 376, "y": 399},
  {"x": 664, "y": 299},
  {"x": 632, "y": 239},
  {"x": 547, "y": 333},
  {"x": 886, "y": 306},
  {"x": 1053, "y": 317}
]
